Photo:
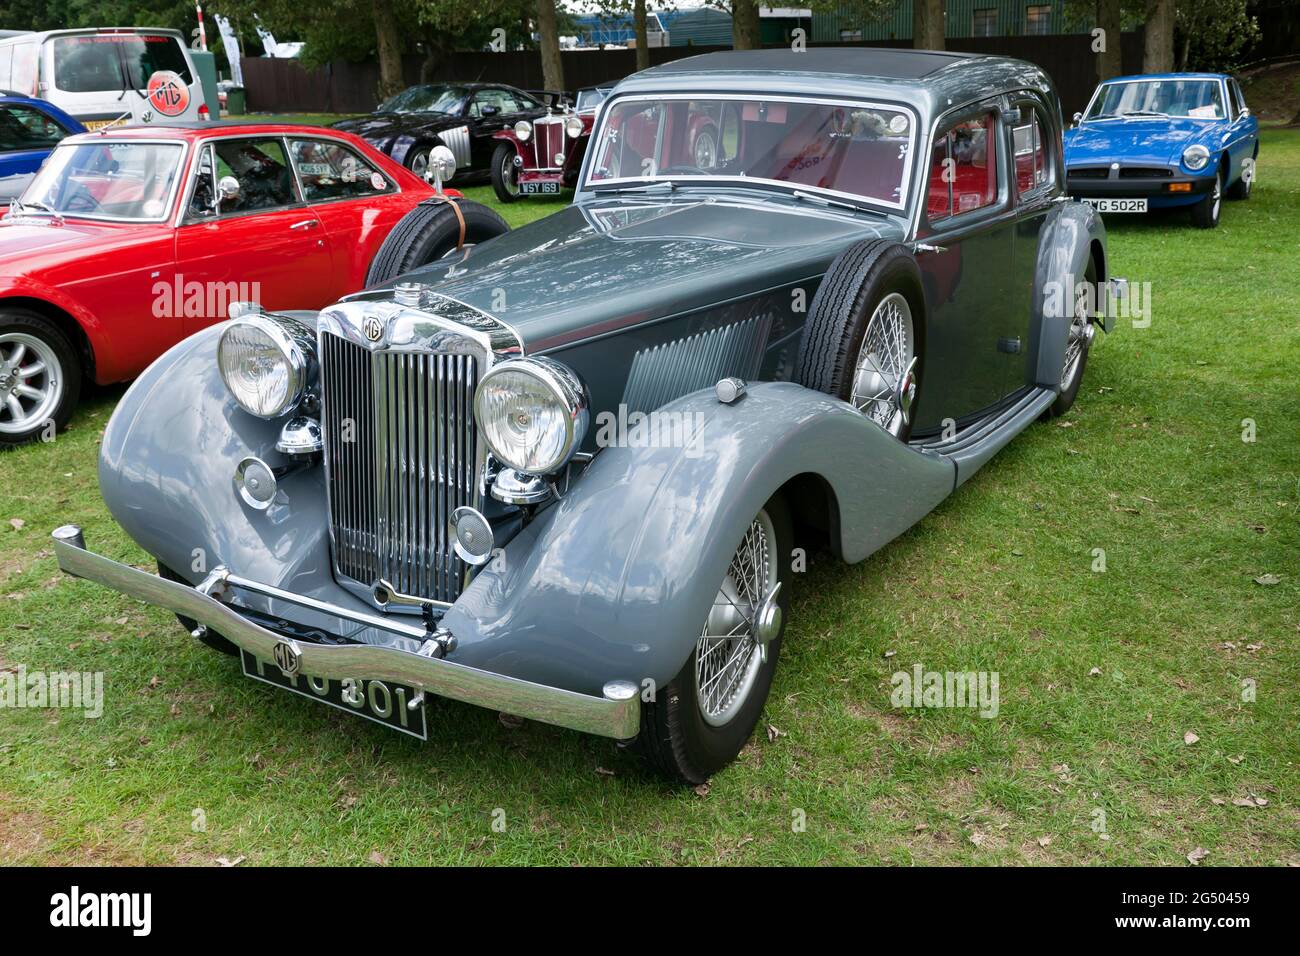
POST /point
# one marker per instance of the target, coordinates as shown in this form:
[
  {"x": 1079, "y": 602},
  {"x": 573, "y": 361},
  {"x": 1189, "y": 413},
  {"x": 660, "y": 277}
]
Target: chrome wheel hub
[
  {"x": 884, "y": 380},
  {"x": 30, "y": 383},
  {"x": 744, "y": 620}
]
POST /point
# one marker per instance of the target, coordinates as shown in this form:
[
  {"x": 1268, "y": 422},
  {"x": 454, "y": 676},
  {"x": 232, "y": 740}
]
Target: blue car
[
  {"x": 1160, "y": 141},
  {"x": 29, "y": 130}
]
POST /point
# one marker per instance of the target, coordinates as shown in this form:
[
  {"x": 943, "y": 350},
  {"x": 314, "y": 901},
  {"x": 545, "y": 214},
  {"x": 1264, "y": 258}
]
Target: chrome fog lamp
[
  {"x": 1196, "y": 156},
  {"x": 523, "y": 130},
  {"x": 265, "y": 361},
  {"x": 533, "y": 414},
  {"x": 573, "y": 126}
]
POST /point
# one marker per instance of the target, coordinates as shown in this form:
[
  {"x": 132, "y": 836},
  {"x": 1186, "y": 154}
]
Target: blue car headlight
[{"x": 1195, "y": 157}]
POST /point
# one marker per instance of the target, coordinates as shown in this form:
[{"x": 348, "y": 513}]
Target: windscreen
[{"x": 845, "y": 149}]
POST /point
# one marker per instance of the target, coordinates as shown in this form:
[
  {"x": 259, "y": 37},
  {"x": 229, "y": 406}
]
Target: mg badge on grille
[
  {"x": 288, "y": 658},
  {"x": 373, "y": 328}
]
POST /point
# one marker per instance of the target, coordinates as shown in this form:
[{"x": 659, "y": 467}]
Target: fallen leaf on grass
[
  {"x": 378, "y": 859},
  {"x": 17, "y": 523},
  {"x": 1268, "y": 579},
  {"x": 920, "y": 826},
  {"x": 1190, "y": 738},
  {"x": 1251, "y": 802},
  {"x": 604, "y": 771},
  {"x": 773, "y": 732},
  {"x": 1218, "y": 801},
  {"x": 1044, "y": 841},
  {"x": 702, "y": 790},
  {"x": 223, "y": 861},
  {"x": 1197, "y": 855},
  {"x": 1095, "y": 672},
  {"x": 1237, "y": 759}
]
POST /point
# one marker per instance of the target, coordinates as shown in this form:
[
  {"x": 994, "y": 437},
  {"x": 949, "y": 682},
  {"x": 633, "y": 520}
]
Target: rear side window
[
  {"x": 23, "y": 75},
  {"x": 332, "y": 171},
  {"x": 25, "y": 127},
  {"x": 1032, "y": 167},
  {"x": 964, "y": 169}
]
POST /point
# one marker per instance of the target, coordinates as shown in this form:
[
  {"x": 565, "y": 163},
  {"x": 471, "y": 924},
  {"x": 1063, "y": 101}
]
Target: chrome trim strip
[{"x": 616, "y": 715}]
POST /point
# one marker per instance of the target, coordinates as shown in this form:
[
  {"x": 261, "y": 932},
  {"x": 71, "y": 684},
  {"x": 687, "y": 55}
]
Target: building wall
[{"x": 959, "y": 20}]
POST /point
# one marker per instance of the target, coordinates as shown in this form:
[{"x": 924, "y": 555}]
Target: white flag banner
[{"x": 231, "y": 43}]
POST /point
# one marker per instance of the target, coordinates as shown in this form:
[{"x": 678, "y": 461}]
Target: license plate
[
  {"x": 381, "y": 701},
  {"x": 1118, "y": 205},
  {"x": 539, "y": 187},
  {"x": 93, "y": 125}
]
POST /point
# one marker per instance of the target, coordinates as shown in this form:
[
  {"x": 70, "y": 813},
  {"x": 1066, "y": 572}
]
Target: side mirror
[
  {"x": 1245, "y": 112},
  {"x": 442, "y": 166},
  {"x": 490, "y": 111},
  {"x": 227, "y": 188},
  {"x": 1078, "y": 118}
]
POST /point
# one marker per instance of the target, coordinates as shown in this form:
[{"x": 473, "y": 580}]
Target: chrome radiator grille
[
  {"x": 402, "y": 455},
  {"x": 548, "y": 134}
]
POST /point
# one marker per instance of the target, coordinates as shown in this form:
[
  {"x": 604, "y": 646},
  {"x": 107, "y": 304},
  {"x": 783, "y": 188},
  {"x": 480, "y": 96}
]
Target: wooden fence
[{"x": 285, "y": 86}]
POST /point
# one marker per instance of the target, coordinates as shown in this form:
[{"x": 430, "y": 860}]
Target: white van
[{"x": 138, "y": 75}]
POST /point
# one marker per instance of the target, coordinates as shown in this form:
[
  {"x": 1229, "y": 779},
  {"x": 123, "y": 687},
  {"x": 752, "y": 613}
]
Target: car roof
[
  {"x": 875, "y": 62},
  {"x": 83, "y": 31},
  {"x": 191, "y": 130},
  {"x": 1167, "y": 76},
  {"x": 931, "y": 81}
]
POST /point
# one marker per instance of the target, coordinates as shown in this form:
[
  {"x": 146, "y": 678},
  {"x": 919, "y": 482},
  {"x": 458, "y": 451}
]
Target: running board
[{"x": 983, "y": 438}]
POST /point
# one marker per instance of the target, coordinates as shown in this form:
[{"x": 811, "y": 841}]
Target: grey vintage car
[{"x": 562, "y": 473}]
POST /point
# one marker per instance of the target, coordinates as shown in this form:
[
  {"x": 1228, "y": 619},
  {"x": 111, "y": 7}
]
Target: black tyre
[
  {"x": 1077, "y": 347},
  {"x": 40, "y": 377},
  {"x": 209, "y": 636},
  {"x": 701, "y": 720},
  {"x": 505, "y": 175},
  {"x": 417, "y": 160},
  {"x": 1205, "y": 214},
  {"x": 864, "y": 338},
  {"x": 1241, "y": 188},
  {"x": 428, "y": 232}
]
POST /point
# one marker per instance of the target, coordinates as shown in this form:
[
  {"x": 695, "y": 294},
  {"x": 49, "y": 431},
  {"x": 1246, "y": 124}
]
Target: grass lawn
[{"x": 1103, "y": 675}]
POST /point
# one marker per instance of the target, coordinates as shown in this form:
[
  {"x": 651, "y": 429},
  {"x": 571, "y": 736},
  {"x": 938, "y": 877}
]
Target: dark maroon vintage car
[{"x": 542, "y": 156}]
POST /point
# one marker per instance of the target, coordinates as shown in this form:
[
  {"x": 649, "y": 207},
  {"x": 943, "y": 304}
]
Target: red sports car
[{"x": 130, "y": 239}]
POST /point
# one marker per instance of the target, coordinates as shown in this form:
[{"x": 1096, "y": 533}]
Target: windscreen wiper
[
  {"x": 663, "y": 185},
  {"x": 823, "y": 201}
]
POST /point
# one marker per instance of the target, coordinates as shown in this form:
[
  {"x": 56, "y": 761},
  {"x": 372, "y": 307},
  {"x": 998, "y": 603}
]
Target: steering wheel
[{"x": 81, "y": 201}]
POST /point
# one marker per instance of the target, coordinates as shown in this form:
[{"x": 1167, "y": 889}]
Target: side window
[
  {"x": 24, "y": 128},
  {"x": 23, "y": 77},
  {"x": 6, "y": 65},
  {"x": 964, "y": 168},
  {"x": 332, "y": 171},
  {"x": 260, "y": 168},
  {"x": 205, "y": 188},
  {"x": 1238, "y": 101},
  {"x": 1033, "y": 165}
]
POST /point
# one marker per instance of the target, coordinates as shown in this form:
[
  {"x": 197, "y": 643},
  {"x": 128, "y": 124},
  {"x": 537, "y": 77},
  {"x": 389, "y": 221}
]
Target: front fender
[
  {"x": 1070, "y": 236},
  {"x": 615, "y": 580}
]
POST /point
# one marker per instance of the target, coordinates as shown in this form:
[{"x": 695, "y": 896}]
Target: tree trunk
[
  {"x": 1158, "y": 49},
  {"x": 432, "y": 55},
  {"x": 927, "y": 24},
  {"x": 1185, "y": 51},
  {"x": 745, "y": 27},
  {"x": 388, "y": 38},
  {"x": 642, "y": 43},
  {"x": 1110, "y": 60},
  {"x": 548, "y": 32}
]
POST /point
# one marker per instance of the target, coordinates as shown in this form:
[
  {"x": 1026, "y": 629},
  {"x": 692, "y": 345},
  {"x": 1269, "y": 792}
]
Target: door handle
[{"x": 305, "y": 224}]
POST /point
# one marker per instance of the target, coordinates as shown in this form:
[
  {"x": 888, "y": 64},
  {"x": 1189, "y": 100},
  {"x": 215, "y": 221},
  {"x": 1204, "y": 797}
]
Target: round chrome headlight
[
  {"x": 523, "y": 130},
  {"x": 533, "y": 414},
  {"x": 1195, "y": 157},
  {"x": 573, "y": 126},
  {"x": 264, "y": 362}
]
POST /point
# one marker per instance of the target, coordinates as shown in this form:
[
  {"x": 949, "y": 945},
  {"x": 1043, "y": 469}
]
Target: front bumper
[
  {"x": 617, "y": 714},
  {"x": 1114, "y": 186}
]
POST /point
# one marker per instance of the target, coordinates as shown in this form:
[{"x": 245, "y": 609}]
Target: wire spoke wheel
[
  {"x": 509, "y": 173},
  {"x": 31, "y": 383},
  {"x": 884, "y": 381},
  {"x": 732, "y": 645},
  {"x": 420, "y": 163}
]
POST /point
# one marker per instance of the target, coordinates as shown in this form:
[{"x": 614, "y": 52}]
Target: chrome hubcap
[
  {"x": 705, "y": 150},
  {"x": 744, "y": 620},
  {"x": 884, "y": 381},
  {"x": 30, "y": 383}
]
